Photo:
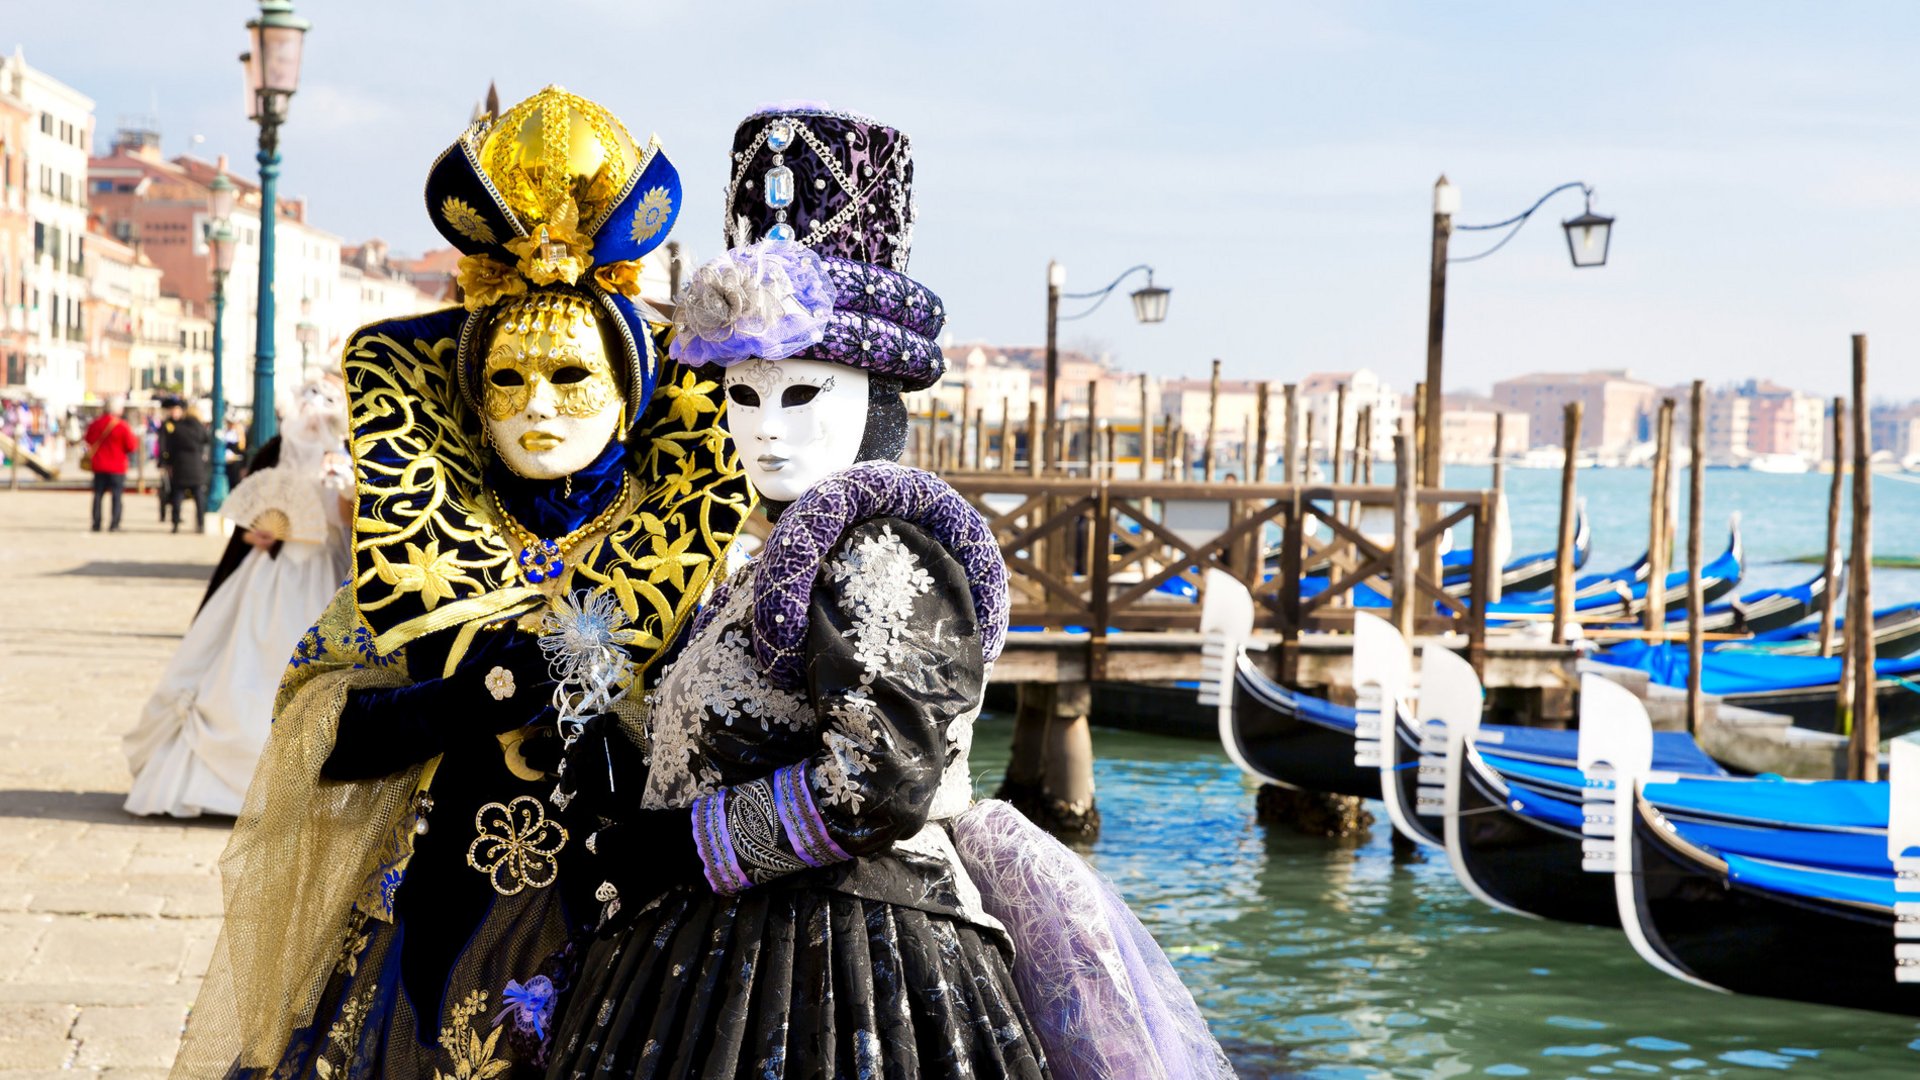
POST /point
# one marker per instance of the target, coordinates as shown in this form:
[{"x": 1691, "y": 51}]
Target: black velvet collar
[{"x": 541, "y": 506}]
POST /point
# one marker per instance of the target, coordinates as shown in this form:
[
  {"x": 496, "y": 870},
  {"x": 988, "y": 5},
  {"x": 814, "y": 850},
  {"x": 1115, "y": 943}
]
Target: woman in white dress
[{"x": 201, "y": 732}]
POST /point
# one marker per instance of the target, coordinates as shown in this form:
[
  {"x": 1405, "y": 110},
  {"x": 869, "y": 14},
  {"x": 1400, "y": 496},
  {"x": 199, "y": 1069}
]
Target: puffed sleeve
[{"x": 893, "y": 658}]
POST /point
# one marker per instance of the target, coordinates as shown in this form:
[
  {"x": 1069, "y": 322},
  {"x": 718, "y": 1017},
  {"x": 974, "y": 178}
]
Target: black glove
[
  {"x": 385, "y": 730},
  {"x": 502, "y": 683},
  {"x": 640, "y": 857},
  {"x": 604, "y": 773}
]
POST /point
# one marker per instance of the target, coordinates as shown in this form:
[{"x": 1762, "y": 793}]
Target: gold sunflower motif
[
  {"x": 466, "y": 220},
  {"x": 651, "y": 217}
]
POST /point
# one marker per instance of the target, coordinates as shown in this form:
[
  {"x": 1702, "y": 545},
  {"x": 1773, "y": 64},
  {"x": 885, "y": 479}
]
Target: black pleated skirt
[{"x": 793, "y": 983}]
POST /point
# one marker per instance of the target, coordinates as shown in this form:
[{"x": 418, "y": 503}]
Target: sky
[{"x": 1272, "y": 161}]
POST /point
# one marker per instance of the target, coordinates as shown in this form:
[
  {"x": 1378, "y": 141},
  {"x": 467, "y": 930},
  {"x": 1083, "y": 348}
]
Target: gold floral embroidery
[
  {"x": 344, "y": 1034},
  {"x": 355, "y": 943},
  {"x": 688, "y": 399},
  {"x": 516, "y": 845},
  {"x": 430, "y": 572},
  {"x": 466, "y": 220},
  {"x": 670, "y": 560},
  {"x": 652, "y": 214},
  {"x": 472, "y": 1058}
]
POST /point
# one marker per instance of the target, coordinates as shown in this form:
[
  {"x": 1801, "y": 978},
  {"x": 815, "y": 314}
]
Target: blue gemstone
[
  {"x": 781, "y": 231},
  {"x": 779, "y": 134}
]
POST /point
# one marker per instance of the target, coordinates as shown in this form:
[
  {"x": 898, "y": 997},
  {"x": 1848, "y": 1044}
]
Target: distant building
[
  {"x": 1319, "y": 394},
  {"x": 981, "y": 377},
  {"x": 323, "y": 290},
  {"x": 47, "y": 355},
  {"x": 1615, "y": 404},
  {"x": 1470, "y": 430},
  {"x": 1751, "y": 419},
  {"x": 16, "y": 239}
]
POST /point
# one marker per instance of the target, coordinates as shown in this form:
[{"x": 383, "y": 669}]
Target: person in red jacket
[{"x": 111, "y": 440}]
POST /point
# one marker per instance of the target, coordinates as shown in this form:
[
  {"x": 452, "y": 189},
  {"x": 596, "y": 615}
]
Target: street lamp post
[
  {"x": 273, "y": 72},
  {"x": 1149, "y": 306},
  {"x": 220, "y": 198},
  {"x": 1588, "y": 237}
]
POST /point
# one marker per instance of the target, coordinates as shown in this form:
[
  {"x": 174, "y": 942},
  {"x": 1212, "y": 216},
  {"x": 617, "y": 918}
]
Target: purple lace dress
[{"x": 837, "y": 933}]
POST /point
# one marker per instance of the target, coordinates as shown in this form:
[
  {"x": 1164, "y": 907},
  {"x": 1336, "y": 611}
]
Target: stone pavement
[{"x": 106, "y": 920}]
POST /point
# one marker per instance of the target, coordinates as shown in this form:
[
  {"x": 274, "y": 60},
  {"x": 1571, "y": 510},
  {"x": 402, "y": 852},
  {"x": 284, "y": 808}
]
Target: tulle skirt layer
[{"x": 794, "y": 983}]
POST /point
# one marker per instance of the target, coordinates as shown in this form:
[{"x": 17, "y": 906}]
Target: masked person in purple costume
[{"x": 796, "y": 881}]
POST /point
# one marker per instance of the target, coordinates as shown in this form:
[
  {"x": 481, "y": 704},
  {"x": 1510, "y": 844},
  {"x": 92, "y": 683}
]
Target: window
[{"x": 46, "y": 123}]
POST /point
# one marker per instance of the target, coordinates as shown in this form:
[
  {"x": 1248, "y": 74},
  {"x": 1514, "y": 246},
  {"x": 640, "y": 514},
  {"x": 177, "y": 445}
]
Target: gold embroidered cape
[{"x": 428, "y": 556}]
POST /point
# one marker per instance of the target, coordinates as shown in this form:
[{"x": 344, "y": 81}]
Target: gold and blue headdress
[
  {"x": 552, "y": 197},
  {"x": 553, "y": 193}
]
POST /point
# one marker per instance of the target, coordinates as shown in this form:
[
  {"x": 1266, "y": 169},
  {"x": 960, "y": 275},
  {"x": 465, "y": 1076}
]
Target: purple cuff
[
  {"x": 715, "y": 844},
  {"x": 806, "y": 829}
]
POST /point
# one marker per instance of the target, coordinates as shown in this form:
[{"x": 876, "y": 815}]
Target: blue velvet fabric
[{"x": 541, "y": 506}]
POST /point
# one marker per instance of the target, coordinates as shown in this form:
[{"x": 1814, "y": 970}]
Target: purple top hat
[{"x": 819, "y": 216}]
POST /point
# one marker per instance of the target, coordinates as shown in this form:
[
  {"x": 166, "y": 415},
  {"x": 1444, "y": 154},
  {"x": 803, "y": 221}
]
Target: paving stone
[
  {"x": 106, "y": 921},
  {"x": 35, "y": 1036}
]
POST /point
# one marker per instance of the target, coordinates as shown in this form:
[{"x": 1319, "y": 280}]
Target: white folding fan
[{"x": 282, "y": 501}]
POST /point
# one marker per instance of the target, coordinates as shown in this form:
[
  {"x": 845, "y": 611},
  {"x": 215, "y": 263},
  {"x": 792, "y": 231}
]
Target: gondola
[
  {"x": 1767, "y": 610},
  {"x": 1764, "y": 923},
  {"x": 1804, "y": 688},
  {"x": 1622, "y": 595},
  {"x": 1513, "y": 820},
  {"x": 1896, "y": 634},
  {"x": 1523, "y": 573},
  {"x": 1296, "y": 740},
  {"x": 1758, "y": 612}
]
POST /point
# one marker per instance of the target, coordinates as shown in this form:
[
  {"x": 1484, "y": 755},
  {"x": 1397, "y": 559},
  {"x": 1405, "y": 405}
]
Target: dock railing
[{"x": 1095, "y": 555}]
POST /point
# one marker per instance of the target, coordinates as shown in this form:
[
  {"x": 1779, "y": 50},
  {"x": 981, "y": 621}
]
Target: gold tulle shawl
[{"x": 302, "y": 854}]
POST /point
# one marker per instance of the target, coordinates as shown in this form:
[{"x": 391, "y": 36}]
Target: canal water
[
  {"x": 1782, "y": 518},
  {"x": 1314, "y": 959}
]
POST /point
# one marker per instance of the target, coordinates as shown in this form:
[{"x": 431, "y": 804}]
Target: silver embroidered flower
[{"x": 582, "y": 637}]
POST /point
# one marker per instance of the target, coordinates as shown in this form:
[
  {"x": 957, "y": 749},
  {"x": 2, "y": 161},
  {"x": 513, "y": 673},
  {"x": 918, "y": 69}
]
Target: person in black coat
[{"x": 183, "y": 454}]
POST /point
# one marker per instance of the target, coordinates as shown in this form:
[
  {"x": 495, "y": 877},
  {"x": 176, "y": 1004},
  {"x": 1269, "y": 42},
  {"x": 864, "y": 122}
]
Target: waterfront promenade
[{"x": 106, "y": 920}]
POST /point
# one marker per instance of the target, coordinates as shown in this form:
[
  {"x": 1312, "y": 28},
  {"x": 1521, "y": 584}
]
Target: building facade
[
  {"x": 323, "y": 292},
  {"x": 50, "y": 338},
  {"x": 1615, "y": 406}
]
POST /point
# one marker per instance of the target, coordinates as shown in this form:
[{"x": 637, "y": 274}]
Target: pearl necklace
[{"x": 543, "y": 559}]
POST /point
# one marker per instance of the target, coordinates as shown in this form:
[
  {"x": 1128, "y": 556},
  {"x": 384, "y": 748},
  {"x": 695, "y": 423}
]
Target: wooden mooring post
[
  {"x": 1499, "y": 488},
  {"x": 1146, "y": 432},
  {"x": 1290, "y": 464},
  {"x": 1863, "y": 739},
  {"x": 1696, "y": 596},
  {"x": 1260, "y": 447},
  {"x": 1658, "y": 549},
  {"x": 1006, "y": 434},
  {"x": 1213, "y": 422},
  {"x": 1834, "y": 490},
  {"x": 1034, "y": 453},
  {"x": 1563, "y": 565},
  {"x": 1406, "y": 523}
]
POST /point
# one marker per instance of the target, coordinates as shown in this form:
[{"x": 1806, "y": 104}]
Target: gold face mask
[{"x": 550, "y": 341}]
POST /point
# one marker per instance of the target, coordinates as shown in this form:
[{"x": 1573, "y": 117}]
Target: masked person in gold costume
[{"x": 542, "y": 497}]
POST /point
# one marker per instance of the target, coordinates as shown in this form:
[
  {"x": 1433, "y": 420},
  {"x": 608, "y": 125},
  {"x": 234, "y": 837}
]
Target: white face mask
[{"x": 795, "y": 422}]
